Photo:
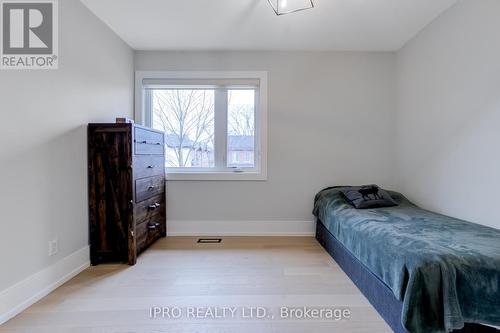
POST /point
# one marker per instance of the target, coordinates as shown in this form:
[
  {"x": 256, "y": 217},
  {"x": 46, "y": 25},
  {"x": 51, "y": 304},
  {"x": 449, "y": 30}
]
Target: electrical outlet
[{"x": 53, "y": 247}]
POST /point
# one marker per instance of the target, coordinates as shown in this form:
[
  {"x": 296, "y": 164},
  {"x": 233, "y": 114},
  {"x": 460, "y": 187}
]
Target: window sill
[{"x": 216, "y": 176}]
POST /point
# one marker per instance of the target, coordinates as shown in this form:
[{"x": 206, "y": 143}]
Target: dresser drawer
[
  {"x": 150, "y": 209},
  {"x": 147, "y": 233},
  {"x": 148, "y": 148},
  {"x": 146, "y": 188},
  {"x": 148, "y": 166},
  {"x": 148, "y": 142}
]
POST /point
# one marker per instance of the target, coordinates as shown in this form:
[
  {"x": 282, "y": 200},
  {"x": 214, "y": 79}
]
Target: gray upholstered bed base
[{"x": 379, "y": 295}]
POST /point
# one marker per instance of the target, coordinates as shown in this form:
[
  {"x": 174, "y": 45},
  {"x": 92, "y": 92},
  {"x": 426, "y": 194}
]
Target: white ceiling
[{"x": 368, "y": 25}]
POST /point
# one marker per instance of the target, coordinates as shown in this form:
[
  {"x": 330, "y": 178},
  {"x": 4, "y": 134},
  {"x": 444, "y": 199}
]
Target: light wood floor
[{"x": 270, "y": 272}]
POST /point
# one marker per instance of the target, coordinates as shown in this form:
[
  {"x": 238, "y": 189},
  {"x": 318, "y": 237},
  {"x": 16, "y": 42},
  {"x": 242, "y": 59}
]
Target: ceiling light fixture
[{"x": 282, "y": 7}]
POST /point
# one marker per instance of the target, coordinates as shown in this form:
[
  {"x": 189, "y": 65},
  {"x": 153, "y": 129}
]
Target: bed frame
[{"x": 379, "y": 295}]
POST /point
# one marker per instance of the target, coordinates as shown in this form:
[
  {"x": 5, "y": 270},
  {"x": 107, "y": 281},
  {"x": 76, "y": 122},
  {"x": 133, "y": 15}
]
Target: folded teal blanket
[{"x": 445, "y": 271}]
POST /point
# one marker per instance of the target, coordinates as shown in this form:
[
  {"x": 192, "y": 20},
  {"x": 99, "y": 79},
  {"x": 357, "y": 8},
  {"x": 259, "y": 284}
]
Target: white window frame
[{"x": 259, "y": 173}]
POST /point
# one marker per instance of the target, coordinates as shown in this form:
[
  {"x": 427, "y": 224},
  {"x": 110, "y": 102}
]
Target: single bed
[{"x": 422, "y": 271}]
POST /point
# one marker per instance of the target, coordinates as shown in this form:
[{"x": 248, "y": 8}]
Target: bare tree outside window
[
  {"x": 241, "y": 113},
  {"x": 241, "y": 128},
  {"x": 187, "y": 118}
]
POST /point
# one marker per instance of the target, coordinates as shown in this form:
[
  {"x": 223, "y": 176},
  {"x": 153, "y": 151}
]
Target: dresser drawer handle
[
  {"x": 153, "y": 226},
  {"x": 154, "y": 206},
  {"x": 152, "y": 187},
  {"x": 158, "y": 143},
  {"x": 151, "y": 166}
]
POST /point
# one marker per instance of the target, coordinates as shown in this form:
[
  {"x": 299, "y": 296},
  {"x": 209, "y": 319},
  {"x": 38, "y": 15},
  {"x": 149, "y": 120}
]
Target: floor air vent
[{"x": 209, "y": 240}]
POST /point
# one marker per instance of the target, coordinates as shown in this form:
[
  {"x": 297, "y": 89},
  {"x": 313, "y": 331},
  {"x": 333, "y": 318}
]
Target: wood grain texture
[
  {"x": 146, "y": 188},
  {"x": 148, "y": 166},
  {"x": 150, "y": 209},
  {"x": 176, "y": 271},
  {"x": 148, "y": 142}
]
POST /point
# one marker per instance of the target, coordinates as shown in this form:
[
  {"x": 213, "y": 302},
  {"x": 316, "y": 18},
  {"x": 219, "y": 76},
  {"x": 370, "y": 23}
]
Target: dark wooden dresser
[{"x": 127, "y": 207}]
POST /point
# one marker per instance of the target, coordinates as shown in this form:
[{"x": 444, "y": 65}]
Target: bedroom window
[{"x": 215, "y": 123}]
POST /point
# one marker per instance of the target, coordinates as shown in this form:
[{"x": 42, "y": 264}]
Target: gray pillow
[{"x": 368, "y": 196}]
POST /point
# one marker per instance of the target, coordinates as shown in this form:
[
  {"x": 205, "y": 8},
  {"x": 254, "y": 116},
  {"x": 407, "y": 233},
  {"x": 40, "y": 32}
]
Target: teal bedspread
[{"x": 445, "y": 271}]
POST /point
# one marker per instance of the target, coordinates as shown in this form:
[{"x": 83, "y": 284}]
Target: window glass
[
  {"x": 241, "y": 128},
  {"x": 187, "y": 118}
]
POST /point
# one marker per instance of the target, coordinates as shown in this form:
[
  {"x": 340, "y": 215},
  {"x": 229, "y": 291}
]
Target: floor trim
[
  {"x": 241, "y": 228},
  {"x": 23, "y": 294}
]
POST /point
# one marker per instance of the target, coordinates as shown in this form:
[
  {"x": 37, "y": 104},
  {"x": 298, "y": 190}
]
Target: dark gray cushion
[{"x": 368, "y": 196}]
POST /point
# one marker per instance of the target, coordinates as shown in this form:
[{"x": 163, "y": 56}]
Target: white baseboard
[
  {"x": 241, "y": 228},
  {"x": 21, "y": 295}
]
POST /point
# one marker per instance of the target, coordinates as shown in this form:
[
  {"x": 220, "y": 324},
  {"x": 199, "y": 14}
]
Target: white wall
[
  {"x": 43, "y": 141},
  {"x": 331, "y": 121},
  {"x": 449, "y": 114}
]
